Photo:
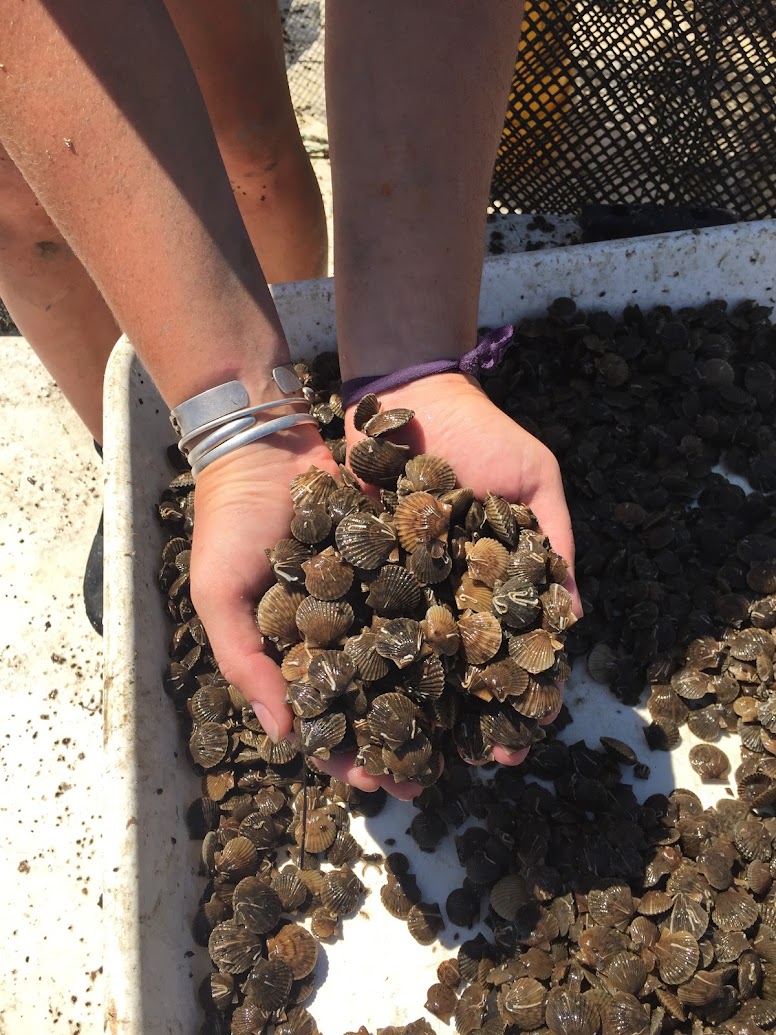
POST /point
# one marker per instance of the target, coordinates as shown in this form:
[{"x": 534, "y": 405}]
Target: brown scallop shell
[
  {"x": 327, "y": 576},
  {"x": 296, "y": 947},
  {"x": 393, "y": 719},
  {"x": 365, "y": 409},
  {"x": 487, "y": 561},
  {"x": 516, "y": 603},
  {"x": 747, "y": 644},
  {"x": 378, "y": 461},
  {"x": 424, "y": 681},
  {"x": 499, "y": 680},
  {"x": 440, "y": 630},
  {"x": 508, "y": 895},
  {"x": 399, "y": 641},
  {"x": 318, "y": 831},
  {"x": 709, "y": 762},
  {"x": 705, "y": 723},
  {"x": 208, "y": 744},
  {"x": 534, "y": 651},
  {"x": 542, "y": 697},
  {"x": 348, "y": 500},
  {"x": 440, "y": 1001},
  {"x": 623, "y": 1014},
  {"x": 269, "y": 985},
  {"x": 421, "y": 520},
  {"x": 387, "y": 421},
  {"x": 320, "y": 736},
  {"x": 210, "y": 704},
  {"x": 290, "y": 889},
  {"x": 567, "y": 1011},
  {"x": 396, "y": 898},
  {"x": 323, "y": 925},
  {"x": 296, "y": 663},
  {"x": 341, "y": 891},
  {"x": 473, "y": 596},
  {"x": 501, "y": 519},
  {"x": 427, "y": 568},
  {"x": 735, "y": 910},
  {"x": 323, "y": 622},
  {"x": 233, "y": 948},
  {"x": 409, "y": 760},
  {"x": 365, "y": 540},
  {"x": 395, "y": 592},
  {"x": 311, "y": 523},
  {"x": 276, "y": 615},
  {"x": 521, "y": 1003},
  {"x": 312, "y": 487},
  {"x": 306, "y": 700},
  {"x": 256, "y": 906},
  {"x": 480, "y": 635},
  {"x": 558, "y": 615},
  {"x": 371, "y": 666},
  {"x": 424, "y": 922},
  {"x": 626, "y": 972},
  {"x": 427, "y": 473},
  {"x": 677, "y": 955},
  {"x": 611, "y": 906}
]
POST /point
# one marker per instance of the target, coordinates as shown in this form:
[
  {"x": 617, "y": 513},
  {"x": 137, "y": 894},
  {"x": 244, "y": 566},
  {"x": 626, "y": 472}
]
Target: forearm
[
  {"x": 416, "y": 99},
  {"x": 100, "y": 110}
]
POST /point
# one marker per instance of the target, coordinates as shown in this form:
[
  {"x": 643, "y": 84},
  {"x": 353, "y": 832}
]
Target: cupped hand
[
  {"x": 490, "y": 453},
  {"x": 243, "y": 505}
]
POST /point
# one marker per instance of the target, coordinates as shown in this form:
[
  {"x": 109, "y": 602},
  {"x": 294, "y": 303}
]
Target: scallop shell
[
  {"x": 747, "y": 644},
  {"x": 709, "y": 762},
  {"x": 602, "y": 663},
  {"x": 393, "y": 719},
  {"x": 481, "y": 637},
  {"x": 702, "y": 989},
  {"x": 449, "y": 973},
  {"x": 735, "y": 910},
  {"x": 256, "y": 906},
  {"x": 473, "y": 596},
  {"x": 440, "y": 1001},
  {"x": 534, "y": 651},
  {"x": 688, "y": 915},
  {"x": 508, "y": 895},
  {"x": 624, "y": 1015},
  {"x": 428, "y": 569},
  {"x": 399, "y": 640},
  {"x": 499, "y": 680},
  {"x": 409, "y": 760},
  {"x": 558, "y": 615},
  {"x": 543, "y": 697},
  {"x": 217, "y": 990},
  {"x": 276, "y": 615},
  {"x": 332, "y": 673},
  {"x": 298, "y": 1022},
  {"x": 323, "y": 925},
  {"x": 569, "y": 1013},
  {"x": 317, "y": 833},
  {"x": 313, "y": 486},
  {"x": 395, "y": 591},
  {"x": 366, "y": 408},
  {"x": 398, "y": 898},
  {"x": 501, "y": 519},
  {"x": 310, "y": 524},
  {"x": 327, "y": 576},
  {"x": 210, "y": 704},
  {"x": 296, "y": 947},
  {"x": 705, "y": 723},
  {"x": 306, "y": 700},
  {"x": 440, "y": 630},
  {"x": 626, "y": 972},
  {"x": 421, "y": 520},
  {"x": 319, "y": 736},
  {"x": 505, "y": 727},
  {"x": 365, "y": 540},
  {"x": 459, "y": 501},
  {"x": 487, "y": 561},
  {"x": 344, "y": 849},
  {"x": 347, "y": 500},
  {"x": 378, "y": 461},
  {"x": 424, "y": 681},
  {"x": 427, "y": 473},
  {"x": 341, "y": 891},
  {"x": 296, "y": 663},
  {"x": 387, "y": 421},
  {"x": 208, "y": 744},
  {"x": 611, "y": 906},
  {"x": 424, "y": 922},
  {"x": 269, "y": 984},
  {"x": 323, "y": 622},
  {"x": 522, "y": 1003},
  {"x": 515, "y": 603},
  {"x": 677, "y": 955},
  {"x": 233, "y": 948}
]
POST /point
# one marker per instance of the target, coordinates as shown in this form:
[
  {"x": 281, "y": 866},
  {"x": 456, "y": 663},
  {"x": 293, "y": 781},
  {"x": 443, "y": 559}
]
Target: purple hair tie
[{"x": 487, "y": 354}]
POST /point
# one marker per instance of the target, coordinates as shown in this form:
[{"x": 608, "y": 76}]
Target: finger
[
  {"x": 343, "y": 767},
  {"x": 504, "y": 757},
  {"x": 239, "y": 650}
]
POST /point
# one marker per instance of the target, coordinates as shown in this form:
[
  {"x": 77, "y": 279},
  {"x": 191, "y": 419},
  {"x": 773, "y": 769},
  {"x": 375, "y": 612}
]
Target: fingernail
[{"x": 265, "y": 717}]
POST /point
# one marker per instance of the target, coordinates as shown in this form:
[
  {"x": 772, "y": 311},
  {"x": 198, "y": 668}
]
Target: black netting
[{"x": 627, "y": 102}]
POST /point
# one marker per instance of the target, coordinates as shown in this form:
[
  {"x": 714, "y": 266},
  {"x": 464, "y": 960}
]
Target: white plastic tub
[{"x": 376, "y": 975}]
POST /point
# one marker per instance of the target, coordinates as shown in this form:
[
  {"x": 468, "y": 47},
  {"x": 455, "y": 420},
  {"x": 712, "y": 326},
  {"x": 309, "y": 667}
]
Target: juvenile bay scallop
[
  {"x": 323, "y": 622},
  {"x": 276, "y": 615},
  {"x": 366, "y": 540},
  {"x": 440, "y": 630},
  {"x": 378, "y": 461},
  {"x": 327, "y": 575},
  {"x": 535, "y": 650},
  {"x": 480, "y": 635},
  {"x": 487, "y": 561},
  {"x": 515, "y": 602},
  {"x": 395, "y": 591},
  {"x": 421, "y": 520},
  {"x": 427, "y": 473}
]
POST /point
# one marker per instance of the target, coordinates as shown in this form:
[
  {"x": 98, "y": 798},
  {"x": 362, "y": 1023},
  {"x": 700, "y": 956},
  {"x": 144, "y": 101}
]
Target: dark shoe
[{"x": 93, "y": 581}]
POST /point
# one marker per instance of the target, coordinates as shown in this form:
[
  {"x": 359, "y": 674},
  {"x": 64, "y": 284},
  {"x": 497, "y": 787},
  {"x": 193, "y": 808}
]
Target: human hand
[
  {"x": 490, "y": 453},
  {"x": 243, "y": 504}
]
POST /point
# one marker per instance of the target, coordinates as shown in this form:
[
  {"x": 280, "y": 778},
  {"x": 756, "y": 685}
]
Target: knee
[{"x": 22, "y": 217}]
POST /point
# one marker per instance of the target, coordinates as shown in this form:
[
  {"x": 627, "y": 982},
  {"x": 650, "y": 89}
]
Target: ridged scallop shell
[
  {"x": 440, "y": 1001},
  {"x": 505, "y": 727},
  {"x": 624, "y": 1015},
  {"x": 611, "y": 906},
  {"x": 296, "y": 947},
  {"x": 208, "y": 744},
  {"x": 409, "y": 760},
  {"x": 365, "y": 540},
  {"x": 424, "y": 922},
  {"x": 501, "y": 519},
  {"x": 341, "y": 891},
  {"x": 393, "y": 719},
  {"x": 217, "y": 990},
  {"x": 256, "y": 905},
  {"x": 424, "y": 680},
  {"x": 269, "y": 985},
  {"x": 296, "y": 663},
  {"x": 709, "y": 762},
  {"x": 541, "y": 698},
  {"x": 654, "y": 902},
  {"x": 427, "y": 568},
  {"x": 317, "y": 833},
  {"x": 386, "y": 421},
  {"x": 747, "y": 644},
  {"x": 487, "y": 561},
  {"x": 663, "y": 703},
  {"x": 365, "y": 409},
  {"x": 558, "y": 615},
  {"x": 677, "y": 955},
  {"x": 569, "y": 1013},
  {"x": 344, "y": 849},
  {"x": 276, "y": 615},
  {"x": 459, "y": 500},
  {"x": 298, "y": 1022},
  {"x": 688, "y": 915},
  {"x": 233, "y": 948},
  {"x": 691, "y": 684},
  {"x": 602, "y": 663},
  {"x": 319, "y": 736},
  {"x": 378, "y": 461},
  {"x": 522, "y": 1003},
  {"x": 323, "y": 925},
  {"x": 323, "y": 622},
  {"x": 210, "y": 704},
  {"x": 332, "y": 672},
  {"x": 421, "y": 520},
  {"x": 427, "y": 473},
  {"x": 306, "y": 700},
  {"x": 705, "y": 723},
  {"x": 702, "y": 989},
  {"x": 394, "y": 896},
  {"x": 310, "y": 524},
  {"x": 371, "y": 666},
  {"x": 473, "y": 596},
  {"x": 508, "y": 895},
  {"x": 481, "y": 637},
  {"x": 238, "y": 858},
  {"x": 313, "y": 486},
  {"x": 735, "y": 910},
  {"x": 327, "y": 576},
  {"x": 440, "y": 630},
  {"x": 499, "y": 680},
  {"x": 626, "y": 972},
  {"x": 395, "y": 591},
  {"x": 515, "y": 603},
  {"x": 534, "y": 651},
  {"x": 347, "y": 500},
  {"x": 399, "y": 640}
]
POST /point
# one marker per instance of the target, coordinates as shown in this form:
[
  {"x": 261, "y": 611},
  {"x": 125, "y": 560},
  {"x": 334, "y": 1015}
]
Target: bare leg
[
  {"x": 236, "y": 49},
  {"x": 52, "y": 298}
]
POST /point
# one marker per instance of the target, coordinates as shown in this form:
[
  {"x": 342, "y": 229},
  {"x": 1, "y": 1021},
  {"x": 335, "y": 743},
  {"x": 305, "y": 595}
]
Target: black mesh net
[{"x": 642, "y": 101}]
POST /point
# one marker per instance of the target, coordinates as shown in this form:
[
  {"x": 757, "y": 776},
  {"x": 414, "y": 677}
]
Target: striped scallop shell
[
  {"x": 365, "y": 540},
  {"x": 393, "y": 719},
  {"x": 399, "y": 640},
  {"x": 420, "y": 520},
  {"x": 534, "y": 651},
  {"x": 427, "y": 568},
  {"x": 499, "y": 680},
  {"x": 542, "y": 697},
  {"x": 427, "y": 473},
  {"x": 327, "y": 576},
  {"x": 276, "y": 614},
  {"x": 378, "y": 461},
  {"x": 473, "y": 596},
  {"x": 677, "y": 955},
  {"x": 323, "y": 622},
  {"x": 332, "y": 672},
  {"x": 440, "y": 630},
  {"x": 481, "y": 637},
  {"x": 312, "y": 487},
  {"x": 362, "y": 649},
  {"x": 311, "y": 523},
  {"x": 365, "y": 409},
  {"x": 321, "y": 735},
  {"x": 296, "y": 663},
  {"x": 487, "y": 561},
  {"x": 395, "y": 591},
  {"x": 296, "y": 947},
  {"x": 233, "y": 948},
  {"x": 387, "y": 421},
  {"x": 515, "y": 602},
  {"x": 558, "y": 615}
]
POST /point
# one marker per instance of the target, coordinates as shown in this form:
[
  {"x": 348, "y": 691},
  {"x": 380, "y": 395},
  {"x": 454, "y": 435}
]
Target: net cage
[{"x": 626, "y": 102}]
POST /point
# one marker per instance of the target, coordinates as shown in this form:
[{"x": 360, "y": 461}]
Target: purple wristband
[{"x": 487, "y": 354}]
